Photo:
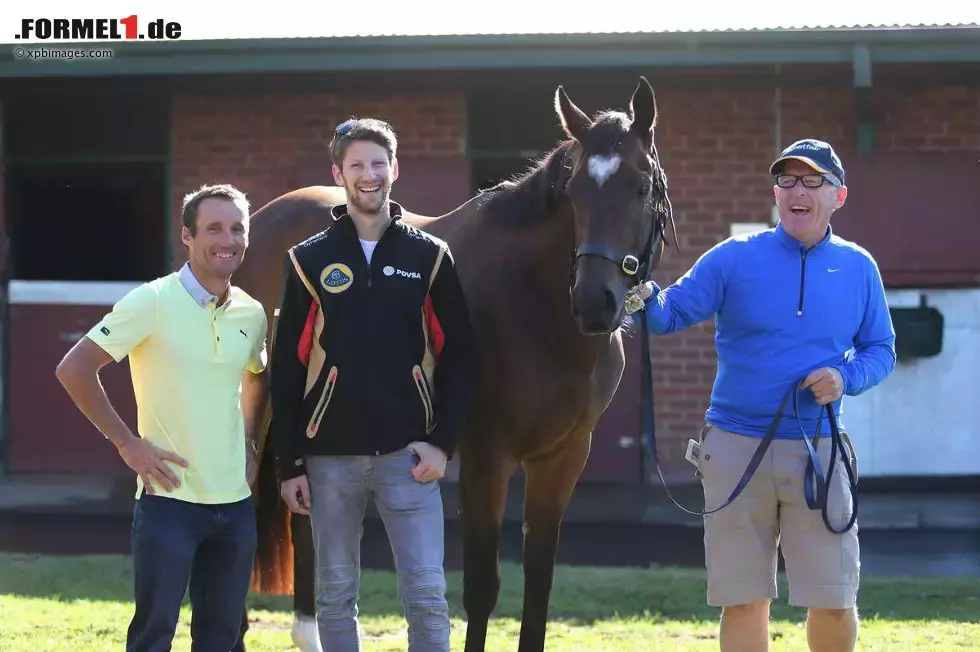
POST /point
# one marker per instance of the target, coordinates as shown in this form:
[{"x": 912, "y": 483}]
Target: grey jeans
[{"x": 412, "y": 512}]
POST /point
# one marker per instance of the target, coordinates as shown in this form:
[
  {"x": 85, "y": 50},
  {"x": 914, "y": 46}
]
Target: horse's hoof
[{"x": 305, "y": 635}]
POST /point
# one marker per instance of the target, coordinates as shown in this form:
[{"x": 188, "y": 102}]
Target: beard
[{"x": 368, "y": 203}]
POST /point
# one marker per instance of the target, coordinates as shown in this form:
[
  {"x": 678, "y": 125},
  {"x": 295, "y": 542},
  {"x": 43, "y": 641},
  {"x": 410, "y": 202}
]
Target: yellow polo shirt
[{"x": 187, "y": 358}]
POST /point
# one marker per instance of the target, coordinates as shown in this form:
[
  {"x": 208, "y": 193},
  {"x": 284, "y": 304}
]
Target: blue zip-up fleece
[{"x": 782, "y": 311}]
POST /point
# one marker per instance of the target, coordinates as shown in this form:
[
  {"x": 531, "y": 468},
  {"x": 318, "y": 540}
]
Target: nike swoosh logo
[{"x": 833, "y": 270}]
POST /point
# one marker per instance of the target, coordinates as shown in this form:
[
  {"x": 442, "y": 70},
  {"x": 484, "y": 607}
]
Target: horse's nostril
[{"x": 610, "y": 301}]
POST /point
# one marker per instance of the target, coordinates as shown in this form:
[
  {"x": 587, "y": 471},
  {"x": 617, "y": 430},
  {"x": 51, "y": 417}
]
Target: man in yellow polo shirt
[{"x": 196, "y": 347}]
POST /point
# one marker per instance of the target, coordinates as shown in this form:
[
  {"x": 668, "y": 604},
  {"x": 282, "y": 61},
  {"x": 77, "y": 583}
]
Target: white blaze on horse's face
[{"x": 603, "y": 167}]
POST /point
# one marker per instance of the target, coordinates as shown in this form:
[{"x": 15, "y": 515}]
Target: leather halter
[{"x": 659, "y": 212}]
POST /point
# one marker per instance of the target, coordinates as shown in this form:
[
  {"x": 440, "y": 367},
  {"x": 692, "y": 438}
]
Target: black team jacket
[{"x": 367, "y": 358}]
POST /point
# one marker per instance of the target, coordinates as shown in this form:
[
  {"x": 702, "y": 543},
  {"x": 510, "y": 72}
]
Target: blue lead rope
[{"x": 815, "y": 487}]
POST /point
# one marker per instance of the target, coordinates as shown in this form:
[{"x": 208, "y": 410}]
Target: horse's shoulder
[{"x": 424, "y": 237}]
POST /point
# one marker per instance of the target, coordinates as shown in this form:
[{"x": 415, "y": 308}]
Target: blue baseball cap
[{"x": 817, "y": 154}]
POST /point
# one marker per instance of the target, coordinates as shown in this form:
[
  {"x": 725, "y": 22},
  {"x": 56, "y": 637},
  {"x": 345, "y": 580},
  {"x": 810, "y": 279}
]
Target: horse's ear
[
  {"x": 573, "y": 120},
  {"x": 643, "y": 107}
]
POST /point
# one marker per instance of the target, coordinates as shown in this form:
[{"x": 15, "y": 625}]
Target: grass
[{"x": 84, "y": 604}]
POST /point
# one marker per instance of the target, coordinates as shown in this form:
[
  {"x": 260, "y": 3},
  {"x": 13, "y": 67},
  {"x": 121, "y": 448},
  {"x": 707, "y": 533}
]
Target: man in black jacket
[{"x": 371, "y": 380}]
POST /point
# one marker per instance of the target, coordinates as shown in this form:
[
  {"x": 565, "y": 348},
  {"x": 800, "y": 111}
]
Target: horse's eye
[{"x": 644, "y": 189}]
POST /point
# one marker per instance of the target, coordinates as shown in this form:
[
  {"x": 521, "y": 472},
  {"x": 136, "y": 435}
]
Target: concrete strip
[{"x": 591, "y": 503}]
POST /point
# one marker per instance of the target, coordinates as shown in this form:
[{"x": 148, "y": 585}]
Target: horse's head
[{"x": 619, "y": 194}]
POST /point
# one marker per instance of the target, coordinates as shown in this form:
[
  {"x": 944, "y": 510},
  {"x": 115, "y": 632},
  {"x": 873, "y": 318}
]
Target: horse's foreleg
[
  {"x": 304, "y": 566},
  {"x": 548, "y": 488},
  {"x": 483, "y": 480},
  {"x": 304, "y": 632}
]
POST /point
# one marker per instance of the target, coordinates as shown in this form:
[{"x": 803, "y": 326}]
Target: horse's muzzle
[{"x": 596, "y": 311}]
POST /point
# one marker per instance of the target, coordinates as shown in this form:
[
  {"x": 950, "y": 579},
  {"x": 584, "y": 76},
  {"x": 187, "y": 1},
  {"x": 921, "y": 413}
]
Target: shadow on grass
[{"x": 581, "y": 595}]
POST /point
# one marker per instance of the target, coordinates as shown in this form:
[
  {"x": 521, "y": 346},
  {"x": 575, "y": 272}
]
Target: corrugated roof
[
  {"x": 510, "y": 50},
  {"x": 393, "y": 18},
  {"x": 475, "y": 30}
]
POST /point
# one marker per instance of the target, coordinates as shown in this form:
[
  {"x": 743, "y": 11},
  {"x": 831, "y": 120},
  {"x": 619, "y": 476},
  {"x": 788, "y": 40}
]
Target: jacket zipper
[
  {"x": 383, "y": 233},
  {"x": 368, "y": 263},
  {"x": 799, "y": 306}
]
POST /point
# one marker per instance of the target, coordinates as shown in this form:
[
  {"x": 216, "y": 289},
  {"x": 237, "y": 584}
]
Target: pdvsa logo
[
  {"x": 390, "y": 271},
  {"x": 102, "y": 29}
]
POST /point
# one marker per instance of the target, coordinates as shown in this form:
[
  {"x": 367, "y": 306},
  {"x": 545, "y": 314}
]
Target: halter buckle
[{"x": 631, "y": 265}]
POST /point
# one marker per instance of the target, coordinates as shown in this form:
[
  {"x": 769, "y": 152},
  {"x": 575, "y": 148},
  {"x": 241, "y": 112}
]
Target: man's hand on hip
[
  {"x": 827, "y": 385},
  {"x": 150, "y": 462},
  {"x": 432, "y": 462},
  {"x": 296, "y": 494}
]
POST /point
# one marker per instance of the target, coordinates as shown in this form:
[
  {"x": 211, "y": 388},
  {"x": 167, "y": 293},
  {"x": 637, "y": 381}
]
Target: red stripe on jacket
[{"x": 437, "y": 338}]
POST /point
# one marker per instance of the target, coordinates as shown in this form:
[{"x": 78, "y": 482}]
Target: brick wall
[
  {"x": 921, "y": 117},
  {"x": 260, "y": 143}
]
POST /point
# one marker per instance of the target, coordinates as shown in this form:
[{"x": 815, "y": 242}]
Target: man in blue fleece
[{"x": 790, "y": 303}]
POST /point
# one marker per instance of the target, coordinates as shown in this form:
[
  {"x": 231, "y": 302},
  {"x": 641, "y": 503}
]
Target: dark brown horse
[{"x": 546, "y": 262}]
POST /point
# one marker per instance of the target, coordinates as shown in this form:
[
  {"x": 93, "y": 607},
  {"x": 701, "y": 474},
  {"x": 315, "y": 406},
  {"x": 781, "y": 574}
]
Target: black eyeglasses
[{"x": 809, "y": 180}]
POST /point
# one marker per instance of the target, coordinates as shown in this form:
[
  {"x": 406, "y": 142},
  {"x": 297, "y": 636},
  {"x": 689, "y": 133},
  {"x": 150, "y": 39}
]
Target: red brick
[{"x": 920, "y": 117}]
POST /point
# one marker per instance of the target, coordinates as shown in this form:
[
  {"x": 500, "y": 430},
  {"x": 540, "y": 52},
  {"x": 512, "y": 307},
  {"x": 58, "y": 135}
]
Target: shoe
[{"x": 306, "y": 636}]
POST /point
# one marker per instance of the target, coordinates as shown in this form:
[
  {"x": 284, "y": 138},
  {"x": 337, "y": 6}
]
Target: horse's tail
[{"x": 272, "y": 570}]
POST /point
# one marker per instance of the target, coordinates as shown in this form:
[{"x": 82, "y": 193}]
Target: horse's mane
[
  {"x": 538, "y": 190},
  {"x": 534, "y": 192}
]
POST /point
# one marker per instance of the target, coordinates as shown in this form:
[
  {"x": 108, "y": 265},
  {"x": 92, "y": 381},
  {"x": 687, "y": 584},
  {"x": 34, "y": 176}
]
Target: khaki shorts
[{"x": 740, "y": 541}]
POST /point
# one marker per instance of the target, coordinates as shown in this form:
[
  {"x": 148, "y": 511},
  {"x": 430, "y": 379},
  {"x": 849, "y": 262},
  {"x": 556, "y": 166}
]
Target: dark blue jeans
[{"x": 211, "y": 547}]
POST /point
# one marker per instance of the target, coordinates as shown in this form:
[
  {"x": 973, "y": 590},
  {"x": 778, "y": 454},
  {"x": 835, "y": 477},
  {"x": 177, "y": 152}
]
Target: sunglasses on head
[{"x": 345, "y": 127}]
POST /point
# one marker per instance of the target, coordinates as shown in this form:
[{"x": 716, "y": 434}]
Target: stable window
[
  {"x": 86, "y": 184},
  {"x": 95, "y": 221}
]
